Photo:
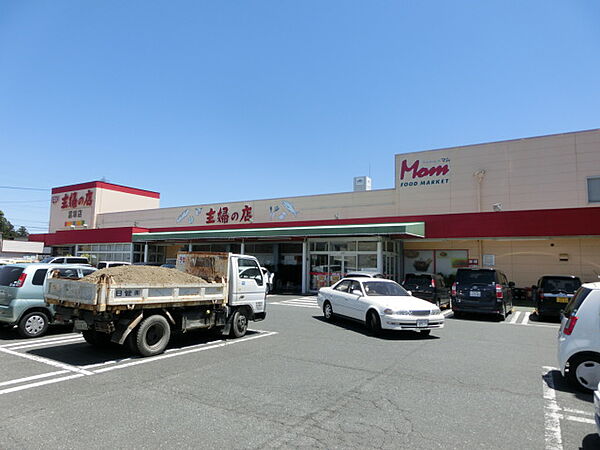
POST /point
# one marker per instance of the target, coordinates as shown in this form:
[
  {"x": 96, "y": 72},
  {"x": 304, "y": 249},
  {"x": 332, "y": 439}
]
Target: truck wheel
[
  {"x": 33, "y": 324},
  {"x": 239, "y": 324},
  {"x": 131, "y": 344},
  {"x": 153, "y": 335},
  {"x": 96, "y": 339}
]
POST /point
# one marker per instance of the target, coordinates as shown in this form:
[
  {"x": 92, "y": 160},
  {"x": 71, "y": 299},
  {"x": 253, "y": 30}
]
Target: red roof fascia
[
  {"x": 530, "y": 223},
  {"x": 543, "y": 222},
  {"x": 95, "y": 236},
  {"x": 103, "y": 185}
]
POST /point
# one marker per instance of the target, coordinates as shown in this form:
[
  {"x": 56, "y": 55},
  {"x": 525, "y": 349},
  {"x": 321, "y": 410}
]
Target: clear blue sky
[{"x": 223, "y": 100}]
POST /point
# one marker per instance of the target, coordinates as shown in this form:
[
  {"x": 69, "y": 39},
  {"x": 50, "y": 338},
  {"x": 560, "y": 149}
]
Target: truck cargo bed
[{"x": 103, "y": 296}]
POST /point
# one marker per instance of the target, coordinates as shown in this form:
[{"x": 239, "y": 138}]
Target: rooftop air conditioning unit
[{"x": 362, "y": 184}]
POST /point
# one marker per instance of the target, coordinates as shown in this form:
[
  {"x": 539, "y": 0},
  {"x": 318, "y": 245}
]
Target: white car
[
  {"x": 109, "y": 264},
  {"x": 380, "y": 304},
  {"x": 579, "y": 339},
  {"x": 597, "y": 408}
]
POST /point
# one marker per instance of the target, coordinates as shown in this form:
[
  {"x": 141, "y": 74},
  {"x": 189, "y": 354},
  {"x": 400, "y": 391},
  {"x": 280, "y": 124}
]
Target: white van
[
  {"x": 107, "y": 264},
  {"x": 65, "y": 260}
]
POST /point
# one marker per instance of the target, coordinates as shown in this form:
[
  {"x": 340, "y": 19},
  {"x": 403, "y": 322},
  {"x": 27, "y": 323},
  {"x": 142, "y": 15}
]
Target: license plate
[
  {"x": 80, "y": 325},
  {"x": 422, "y": 323},
  {"x": 475, "y": 294},
  {"x": 562, "y": 299}
]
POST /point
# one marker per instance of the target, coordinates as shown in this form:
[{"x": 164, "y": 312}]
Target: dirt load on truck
[{"x": 149, "y": 275}]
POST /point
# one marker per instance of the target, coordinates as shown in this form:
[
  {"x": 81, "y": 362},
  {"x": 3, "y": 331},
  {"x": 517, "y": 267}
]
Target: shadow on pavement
[
  {"x": 479, "y": 317},
  {"x": 534, "y": 317},
  {"x": 385, "y": 334},
  {"x": 556, "y": 381},
  {"x": 83, "y": 354},
  {"x": 11, "y": 333}
]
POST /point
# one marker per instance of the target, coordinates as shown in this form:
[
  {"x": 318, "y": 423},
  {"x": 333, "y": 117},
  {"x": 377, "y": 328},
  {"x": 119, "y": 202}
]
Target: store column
[
  {"x": 146, "y": 252},
  {"x": 379, "y": 256},
  {"x": 304, "y": 266}
]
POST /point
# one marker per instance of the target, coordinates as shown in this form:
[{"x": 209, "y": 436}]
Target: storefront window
[
  {"x": 444, "y": 262},
  {"x": 367, "y": 246},
  {"x": 367, "y": 262},
  {"x": 108, "y": 252},
  {"x": 319, "y": 246},
  {"x": 348, "y": 246},
  {"x": 319, "y": 272}
]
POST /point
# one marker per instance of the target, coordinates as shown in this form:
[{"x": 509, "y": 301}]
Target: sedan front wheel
[
  {"x": 373, "y": 323},
  {"x": 328, "y": 311}
]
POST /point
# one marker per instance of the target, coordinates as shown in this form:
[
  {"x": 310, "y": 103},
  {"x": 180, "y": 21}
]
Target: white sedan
[{"x": 380, "y": 304}]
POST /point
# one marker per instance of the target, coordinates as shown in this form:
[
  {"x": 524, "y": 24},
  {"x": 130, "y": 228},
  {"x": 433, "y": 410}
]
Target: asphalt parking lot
[{"x": 297, "y": 381}]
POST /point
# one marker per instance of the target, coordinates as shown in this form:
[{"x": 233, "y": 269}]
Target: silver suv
[{"x": 22, "y": 295}]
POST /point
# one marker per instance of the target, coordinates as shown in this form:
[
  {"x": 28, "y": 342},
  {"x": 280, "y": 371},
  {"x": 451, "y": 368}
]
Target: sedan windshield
[{"x": 384, "y": 288}]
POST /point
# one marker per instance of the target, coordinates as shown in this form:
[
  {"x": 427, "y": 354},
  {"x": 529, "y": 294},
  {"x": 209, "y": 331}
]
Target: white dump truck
[{"x": 229, "y": 292}]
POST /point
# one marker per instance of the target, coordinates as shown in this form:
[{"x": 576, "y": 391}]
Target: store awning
[{"x": 406, "y": 229}]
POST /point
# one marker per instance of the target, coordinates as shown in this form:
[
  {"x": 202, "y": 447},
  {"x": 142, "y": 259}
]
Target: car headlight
[
  {"x": 388, "y": 311},
  {"x": 435, "y": 311}
]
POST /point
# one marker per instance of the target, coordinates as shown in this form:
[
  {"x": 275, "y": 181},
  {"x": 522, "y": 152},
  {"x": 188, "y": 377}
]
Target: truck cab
[{"x": 248, "y": 289}]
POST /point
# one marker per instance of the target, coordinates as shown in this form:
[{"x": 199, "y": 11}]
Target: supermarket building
[{"x": 527, "y": 207}]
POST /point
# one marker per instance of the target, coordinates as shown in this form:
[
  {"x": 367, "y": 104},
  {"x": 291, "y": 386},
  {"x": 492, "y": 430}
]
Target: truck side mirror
[{"x": 511, "y": 284}]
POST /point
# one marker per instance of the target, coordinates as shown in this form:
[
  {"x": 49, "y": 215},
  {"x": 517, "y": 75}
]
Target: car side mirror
[
  {"x": 534, "y": 287},
  {"x": 357, "y": 292},
  {"x": 409, "y": 292}
]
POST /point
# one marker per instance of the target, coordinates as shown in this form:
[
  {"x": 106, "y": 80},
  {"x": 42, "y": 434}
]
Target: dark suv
[
  {"x": 552, "y": 293},
  {"x": 428, "y": 286},
  {"x": 482, "y": 291}
]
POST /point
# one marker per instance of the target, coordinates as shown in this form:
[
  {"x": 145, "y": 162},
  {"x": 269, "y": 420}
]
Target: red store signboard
[{"x": 71, "y": 201}]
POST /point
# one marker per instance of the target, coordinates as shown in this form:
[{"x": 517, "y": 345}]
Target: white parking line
[
  {"x": 552, "y": 418},
  {"x": 301, "y": 303},
  {"x": 34, "y": 377},
  {"x": 48, "y": 361},
  {"x": 515, "y": 317},
  {"x": 195, "y": 349},
  {"x": 579, "y": 419},
  {"x": 40, "y": 383},
  {"x": 41, "y": 340},
  {"x": 523, "y": 318},
  {"x": 577, "y": 411},
  {"x": 43, "y": 344},
  {"x": 105, "y": 363},
  {"x": 81, "y": 371}
]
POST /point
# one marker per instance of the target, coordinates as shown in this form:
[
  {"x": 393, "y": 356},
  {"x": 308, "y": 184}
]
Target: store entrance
[
  {"x": 283, "y": 259},
  {"x": 332, "y": 259}
]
